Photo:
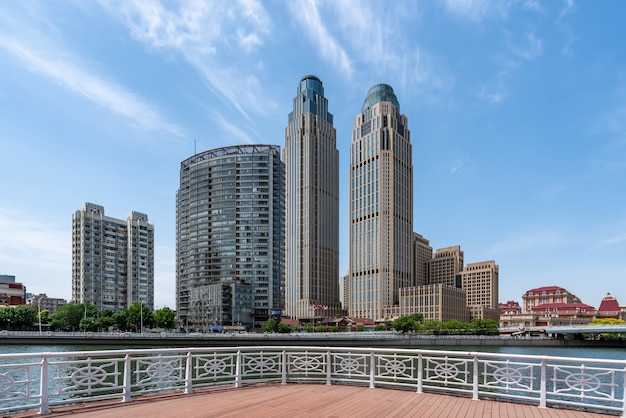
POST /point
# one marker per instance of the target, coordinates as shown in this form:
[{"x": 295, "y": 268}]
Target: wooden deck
[{"x": 308, "y": 400}]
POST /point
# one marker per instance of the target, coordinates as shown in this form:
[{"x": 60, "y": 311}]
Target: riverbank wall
[{"x": 351, "y": 339}]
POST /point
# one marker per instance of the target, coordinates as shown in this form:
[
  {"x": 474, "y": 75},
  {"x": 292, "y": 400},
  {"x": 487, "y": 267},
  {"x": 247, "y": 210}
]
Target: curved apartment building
[{"x": 230, "y": 237}]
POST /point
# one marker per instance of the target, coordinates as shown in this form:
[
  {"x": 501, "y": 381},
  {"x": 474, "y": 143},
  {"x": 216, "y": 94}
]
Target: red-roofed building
[
  {"x": 547, "y": 294},
  {"x": 557, "y": 314},
  {"x": 509, "y": 308},
  {"x": 609, "y": 308}
]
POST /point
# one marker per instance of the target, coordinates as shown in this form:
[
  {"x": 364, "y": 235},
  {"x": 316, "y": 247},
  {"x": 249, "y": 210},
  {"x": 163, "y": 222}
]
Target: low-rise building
[{"x": 43, "y": 302}]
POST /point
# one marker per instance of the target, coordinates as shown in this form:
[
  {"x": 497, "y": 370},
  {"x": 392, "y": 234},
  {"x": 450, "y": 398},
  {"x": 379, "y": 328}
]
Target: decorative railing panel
[{"x": 45, "y": 380}]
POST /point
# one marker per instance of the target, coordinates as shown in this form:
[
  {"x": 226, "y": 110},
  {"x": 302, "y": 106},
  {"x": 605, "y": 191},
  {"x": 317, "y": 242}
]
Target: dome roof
[{"x": 380, "y": 93}]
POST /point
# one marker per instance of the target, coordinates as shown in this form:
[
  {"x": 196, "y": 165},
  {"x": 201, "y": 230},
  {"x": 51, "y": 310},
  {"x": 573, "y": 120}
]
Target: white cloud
[
  {"x": 478, "y": 10},
  {"x": 37, "y": 253},
  {"x": 64, "y": 69},
  {"x": 568, "y": 7},
  {"x": 210, "y": 36},
  {"x": 531, "y": 50},
  {"x": 530, "y": 240},
  {"x": 307, "y": 14}
]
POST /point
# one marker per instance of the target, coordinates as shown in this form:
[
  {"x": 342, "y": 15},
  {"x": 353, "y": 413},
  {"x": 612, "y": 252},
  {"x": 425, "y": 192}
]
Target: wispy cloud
[
  {"x": 477, "y": 10},
  {"x": 531, "y": 49},
  {"x": 210, "y": 36},
  {"x": 65, "y": 70},
  {"x": 307, "y": 14},
  {"x": 231, "y": 129},
  {"x": 33, "y": 244},
  {"x": 568, "y": 7},
  {"x": 530, "y": 240}
]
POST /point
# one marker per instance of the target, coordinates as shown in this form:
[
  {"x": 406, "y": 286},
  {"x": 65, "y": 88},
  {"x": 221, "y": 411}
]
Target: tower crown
[{"x": 380, "y": 93}]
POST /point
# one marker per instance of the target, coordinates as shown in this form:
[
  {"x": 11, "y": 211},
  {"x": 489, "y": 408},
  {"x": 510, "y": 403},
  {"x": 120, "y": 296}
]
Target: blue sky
[{"x": 517, "y": 112}]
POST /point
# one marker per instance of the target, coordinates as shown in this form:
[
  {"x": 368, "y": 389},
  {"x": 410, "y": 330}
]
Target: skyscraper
[
  {"x": 312, "y": 200},
  {"x": 112, "y": 259},
  {"x": 381, "y": 205},
  {"x": 230, "y": 216}
]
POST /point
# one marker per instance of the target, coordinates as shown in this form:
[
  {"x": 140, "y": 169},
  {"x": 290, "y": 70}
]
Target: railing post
[
  {"x": 623, "y": 414},
  {"x": 283, "y": 368},
  {"x": 475, "y": 378},
  {"x": 328, "y": 368},
  {"x": 238, "y": 370},
  {"x": 44, "y": 407},
  {"x": 188, "y": 373},
  {"x": 420, "y": 374},
  {"x": 372, "y": 371},
  {"x": 127, "y": 379},
  {"x": 543, "y": 384}
]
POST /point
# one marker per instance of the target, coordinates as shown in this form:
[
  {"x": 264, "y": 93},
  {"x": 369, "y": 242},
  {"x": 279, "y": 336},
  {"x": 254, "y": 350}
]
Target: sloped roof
[
  {"x": 609, "y": 304},
  {"x": 564, "y": 307},
  {"x": 547, "y": 289}
]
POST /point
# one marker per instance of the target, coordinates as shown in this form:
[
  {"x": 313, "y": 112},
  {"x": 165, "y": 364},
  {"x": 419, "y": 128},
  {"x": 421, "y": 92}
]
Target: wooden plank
[{"x": 308, "y": 400}]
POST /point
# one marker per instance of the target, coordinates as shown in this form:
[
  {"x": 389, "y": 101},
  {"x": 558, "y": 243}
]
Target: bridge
[{"x": 587, "y": 329}]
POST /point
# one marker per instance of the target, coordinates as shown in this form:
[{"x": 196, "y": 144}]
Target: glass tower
[
  {"x": 312, "y": 200},
  {"x": 381, "y": 205},
  {"x": 230, "y": 237}
]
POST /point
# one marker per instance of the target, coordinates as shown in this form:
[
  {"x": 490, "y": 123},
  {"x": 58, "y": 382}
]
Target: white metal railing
[{"x": 46, "y": 380}]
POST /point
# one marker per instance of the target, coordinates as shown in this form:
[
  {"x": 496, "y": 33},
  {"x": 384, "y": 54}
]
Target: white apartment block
[{"x": 112, "y": 259}]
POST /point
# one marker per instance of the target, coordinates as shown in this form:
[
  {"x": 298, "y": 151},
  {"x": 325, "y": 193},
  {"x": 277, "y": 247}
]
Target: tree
[
  {"x": 270, "y": 325},
  {"x": 483, "y": 326},
  {"x": 404, "y": 324},
  {"x": 139, "y": 314},
  {"x": 284, "y": 328},
  {"x": 68, "y": 316},
  {"x": 24, "y": 317},
  {"x": 44, "y": 316},
  {"x": 120, "y": 319},
  {"x": 7, "y": 315},
  {"x": 165, "y": 318},
  {"x": 308, "y": 327}
]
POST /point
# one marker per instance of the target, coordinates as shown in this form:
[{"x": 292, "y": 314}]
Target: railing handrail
[
  {"x": 413, "y": 351},
  {"x": 106, "y": 374}
]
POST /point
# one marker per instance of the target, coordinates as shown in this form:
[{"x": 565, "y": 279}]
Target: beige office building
[
  {"x": 435, "y": 301},
  {"x": 381, "y": 205},
  {"x": 446, "y": 265},
  {"x": 422, "y": 254},
  {"x": 312, "y": 206},
  {"x": 480, "y": 281}
]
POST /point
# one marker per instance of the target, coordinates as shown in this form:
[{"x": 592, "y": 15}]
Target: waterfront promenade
[{"x": 309, "y": 400}]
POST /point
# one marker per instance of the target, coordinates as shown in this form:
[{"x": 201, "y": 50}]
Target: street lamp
[
  {"x": 141, "y": 315},
  {"x": 39, "y": 312}
]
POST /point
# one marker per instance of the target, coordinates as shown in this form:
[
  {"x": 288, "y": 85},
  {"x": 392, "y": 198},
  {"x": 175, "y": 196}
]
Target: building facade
[
  {"x": 445, "y": 267},
  {"x": 547, "y": 295},
  {"x": 436, "y": 301},
  {"x": 112, "y": 259},
  {"x": 312, "y": 202},
  {"x": 422, "y": 254},
  {"x": 381, "y": 205},
  {"x": 481, "y": 282},
  {"x": 12, "y": 294},
  {"x": 44, "y": 303},
  {"x": 230, "y": 216}
]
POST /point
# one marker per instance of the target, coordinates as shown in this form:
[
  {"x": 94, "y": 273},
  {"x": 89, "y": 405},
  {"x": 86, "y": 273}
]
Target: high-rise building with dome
[
  {"x": 381, "y": 205},
  {"x": 312, "y": 201}
]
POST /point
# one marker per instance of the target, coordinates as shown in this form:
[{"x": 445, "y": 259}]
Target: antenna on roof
[{"x": 194, "y": 147}]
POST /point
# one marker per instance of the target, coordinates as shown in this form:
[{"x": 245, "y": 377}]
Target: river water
[{"x": 582, "y": 352}]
